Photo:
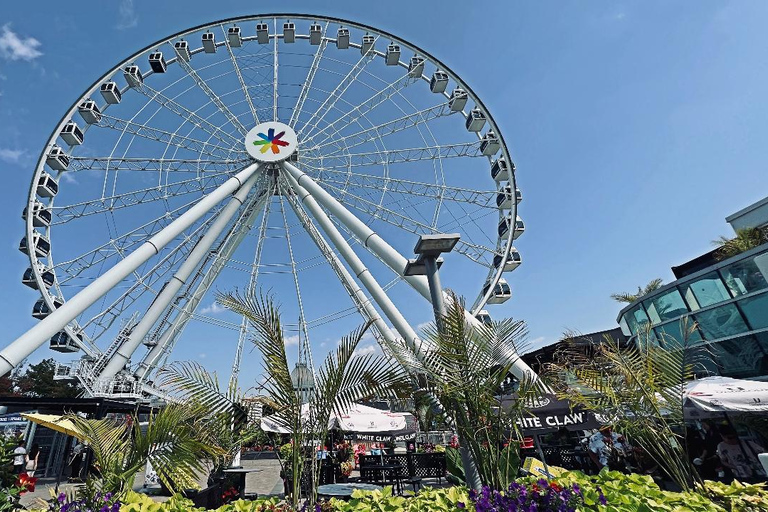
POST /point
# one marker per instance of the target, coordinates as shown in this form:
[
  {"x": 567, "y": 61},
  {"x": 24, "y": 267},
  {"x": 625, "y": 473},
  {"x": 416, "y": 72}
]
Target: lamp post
[{"x": 429, "y": 248}]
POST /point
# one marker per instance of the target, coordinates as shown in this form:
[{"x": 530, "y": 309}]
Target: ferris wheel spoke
[
  {"x": 308, "y": 81},
  {"x": 82, "y": 163},
  {"x": 306, "y": 130},
  {"x": 389, "y": 157},
  {"x": 171, "y": 105},
  {"x": 167, "y": 332},
  {"x": 391, "y": 127},
  {"x": 304, "y": 346},
  {"x": 202, "y": 184},
  {"x": 475, "y": 252},
  {"x": 165, "y": 137},
  {"x": 482, "y": 198},
  {"x": 359, "y": 111},
  {"x": 239, "y": 74},
  {"x": 224, "y": 109}
]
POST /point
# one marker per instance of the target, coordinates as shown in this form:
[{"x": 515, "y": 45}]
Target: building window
[
  {"x": 666, "y": 306},
  {"x": 755, "y": 310},
  {"x": 705, "y": 291},
  {"x": 678, "y": 334},
  {"x": 637, "y": 320},
  {"x": 721, "y": 322},
  {"x": 747, "y": 276},
  {"x": 742, "y": 357}
]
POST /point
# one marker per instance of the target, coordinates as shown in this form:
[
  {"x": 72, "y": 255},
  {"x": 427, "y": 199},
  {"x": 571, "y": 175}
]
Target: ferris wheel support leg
[
  {"x": 354, "y": 262},
  {"x": 172, "y": 286},
  {"x": 28, "y": 342},
  {"x": 232, "y": 241},
  {"x": 372, "y": 241}
]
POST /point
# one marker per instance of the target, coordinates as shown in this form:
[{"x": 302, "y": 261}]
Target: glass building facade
[{"x": 724, "y": 306}]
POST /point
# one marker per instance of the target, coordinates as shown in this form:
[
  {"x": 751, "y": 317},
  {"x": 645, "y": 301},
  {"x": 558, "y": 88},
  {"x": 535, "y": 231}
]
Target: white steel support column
[
  {"x": 225, "y": 251},
  {"x": 28, "y": 342},
  {"x": 172, "y": 286},
  {"x": 347, "y": 280},
  {"x": 371, "y": 240},
  {"x": 377, "y": 292}
]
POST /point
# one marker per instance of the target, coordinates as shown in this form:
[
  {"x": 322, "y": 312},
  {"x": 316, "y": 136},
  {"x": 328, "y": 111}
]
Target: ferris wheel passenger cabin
[
  {"x": 490, "y": 144},
  {"x": 57, "y": 159},
  {"x": 458, "y": 99},
  {"x": 41, "y": 310},
  {"x": 505, "y": 225},
  {"x": 41, "y": 215},
  {"x": 484, "y": 317},
  {"x": 47, "y": 185},
  {"x": 368, "y": 44},
  {"x": 182, "y": 50},
  {"x": 72, "y": 134},
  {"x": 315, "y": 34},
  {"x": 393, "y": 54},
  {"x": 416, "y": 67},
  {"x": 513, "y": 260},
  {"x": 209, "y": 42},
  {"x": 63, "y": 342},
  {"x": 501, "y": 292},
  {"x": 504, "y": 197},
  {"x": 133, "y": 76},
  {"x": 41, "y": 245},
  {"x": 111, "y": 93},
  {"x": 28, "y": 279},
  {"x": 475, "y": 120},
  {"x": 89, "y": 112},
  {"x": 289, "y": 32},
  {"x": 262, "y": 33},
  {"x": 234, "y": 36},
  {"x": 439, "y": 82},
  {"x": 499, "y": 171},
  {"x": 342, "y": 39},
  {"x": 157, "y": 62}
]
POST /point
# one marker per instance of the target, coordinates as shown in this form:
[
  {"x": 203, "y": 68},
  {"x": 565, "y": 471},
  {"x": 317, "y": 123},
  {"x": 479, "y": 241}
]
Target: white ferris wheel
[{"x": 301, "y": 154}]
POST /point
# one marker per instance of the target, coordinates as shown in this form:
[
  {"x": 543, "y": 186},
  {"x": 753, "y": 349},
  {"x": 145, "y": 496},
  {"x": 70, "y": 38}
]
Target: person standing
[
  {"x": 19, "y": 458},
  {"x": 742, "y": 462},
  {"x": 32, "y": 459},
  {"x": 77, "y": 460}
]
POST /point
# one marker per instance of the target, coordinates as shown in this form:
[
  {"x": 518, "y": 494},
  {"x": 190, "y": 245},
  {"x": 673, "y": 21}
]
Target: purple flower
[{"x": 461, "y": 504}]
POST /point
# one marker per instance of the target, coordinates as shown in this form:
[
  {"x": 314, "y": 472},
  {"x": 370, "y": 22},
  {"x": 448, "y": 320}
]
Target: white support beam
[
  {"x": 363, "y": 274},
  {"x": 28, "y": 342},
  {"x": 172, "y": 286},
  {"x": 372, "y": 241}
]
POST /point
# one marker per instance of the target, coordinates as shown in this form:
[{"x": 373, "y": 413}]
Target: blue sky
[{"x": 636, "y": 128}]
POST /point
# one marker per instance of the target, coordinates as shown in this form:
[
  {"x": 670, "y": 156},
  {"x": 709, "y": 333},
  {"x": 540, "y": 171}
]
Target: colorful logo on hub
[{"x": 271, "y": 142}]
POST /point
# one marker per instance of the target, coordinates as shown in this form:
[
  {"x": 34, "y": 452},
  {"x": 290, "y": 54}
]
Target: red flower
[
  {"x": 26, "y": 483},
  {"x": 555, "y": 486}
]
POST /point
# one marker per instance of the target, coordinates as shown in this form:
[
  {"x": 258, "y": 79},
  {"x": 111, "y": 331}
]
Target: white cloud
[
  {"x": 12, "y": 156},
  {"x": 128, "y": 17},
  {"x": 202, "y": 355},
  {"x": 366, "y": 350},
  {"x": 13, "y": 47},
  {"x": 214, "y": 309},
  {"x": 69, "y": 177},
  {"x": 291, "y": 340}
]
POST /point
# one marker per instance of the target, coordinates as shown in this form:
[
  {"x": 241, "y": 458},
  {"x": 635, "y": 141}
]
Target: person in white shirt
[
  {"x": 19, "y": 458},
  {"x": 605, "y": 446}
]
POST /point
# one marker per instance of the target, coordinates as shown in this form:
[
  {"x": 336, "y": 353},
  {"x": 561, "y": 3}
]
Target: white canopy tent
[
  {"x": 356, "y": 418},
  {"x": 724, "y": 395}
]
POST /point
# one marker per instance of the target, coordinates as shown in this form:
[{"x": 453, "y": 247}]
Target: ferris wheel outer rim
[{"x": 493, "y": 275}]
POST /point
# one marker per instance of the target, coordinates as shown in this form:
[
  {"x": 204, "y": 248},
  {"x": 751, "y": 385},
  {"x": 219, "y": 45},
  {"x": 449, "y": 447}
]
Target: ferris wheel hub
[{"x": 271, "y": 142}]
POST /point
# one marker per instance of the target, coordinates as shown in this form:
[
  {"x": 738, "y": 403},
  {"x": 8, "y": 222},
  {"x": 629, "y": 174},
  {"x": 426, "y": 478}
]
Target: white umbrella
[
  {"x": 355, "y": 418},
  {"x": 725, "y": 395}
]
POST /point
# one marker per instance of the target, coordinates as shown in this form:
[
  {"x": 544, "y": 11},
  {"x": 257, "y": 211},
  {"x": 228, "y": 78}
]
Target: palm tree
[
  {"x": 464, "y": 370},
  {"x": 223, "y": 413},
  {"x": 640, "y": 389},
  {"x": 344, "y": 378},
  {"x": 629, "y": 298},
  {"x": 171, "y": 442},
  {"x": 745, "y": 239}
]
